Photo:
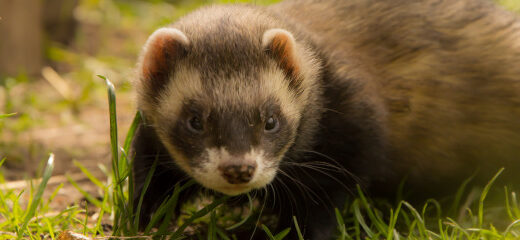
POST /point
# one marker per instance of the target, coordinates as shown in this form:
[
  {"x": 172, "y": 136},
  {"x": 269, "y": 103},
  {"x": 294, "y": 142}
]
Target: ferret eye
[
  {"x": 271, "y": 125},
  {"x": 195, "y": 125}
]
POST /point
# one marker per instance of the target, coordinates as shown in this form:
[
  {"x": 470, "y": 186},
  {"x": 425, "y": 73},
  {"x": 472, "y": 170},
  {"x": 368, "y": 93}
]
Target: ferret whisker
[
  {"x": 158, "y": 168},
  {"x": 259, "y": 216},
  {"x": 324, "y": 167},
  {"x": 294, "y": 172},
  {"x": 157, "y": 172},
  {"x": 274, "y": 193},
  {"x": 170, "y": 189},
  {"x": 356, "y": 178},
  {"x": 326, "y": 174},
  {"x": 318, "y": 185},
  {"x": 152, "y": 156},
  {"x": 288, "y": 192},
  {"x": 332, "y": 110},
  {"x": 311, "y": 177},
  {"x": 301, "y": 186}
]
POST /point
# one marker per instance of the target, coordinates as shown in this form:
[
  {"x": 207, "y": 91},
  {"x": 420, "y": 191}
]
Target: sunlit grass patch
[
  {"x": 34, "y": 219},
  {"x": 513, "y": 5}
]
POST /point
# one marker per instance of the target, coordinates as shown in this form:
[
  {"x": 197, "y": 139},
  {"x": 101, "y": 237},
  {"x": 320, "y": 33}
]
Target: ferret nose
[{"x": 237, "y": 173}]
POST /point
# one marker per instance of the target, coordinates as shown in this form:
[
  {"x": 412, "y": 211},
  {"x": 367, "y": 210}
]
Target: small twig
[
  {"x": 68, "y": 235},
  {"x": 21, "y": 184},
  {"x": 57, "y": 82},
  {"x": 127, "y": 237},
  {"x": 8, "y": 233}
]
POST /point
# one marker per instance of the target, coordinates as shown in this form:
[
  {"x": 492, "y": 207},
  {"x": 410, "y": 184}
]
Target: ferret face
[
  {"x": 228, "y": 132},
  {"x": 227, "y": 109}
]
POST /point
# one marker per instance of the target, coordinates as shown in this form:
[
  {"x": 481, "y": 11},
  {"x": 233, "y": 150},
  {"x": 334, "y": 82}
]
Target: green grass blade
[
  {"x": 510, "y": 227},
  {"x": 85, "y": 194},
  {"x": 212, "y": 231},
  {"x": 458, "y": 196},
  {"x": 113, "y": 125},
  {"x": 281, "y": 235},
  {"x": 166, "y": 210},
  {"x": 7, "y": 115},
  {"x": 418, "y": 219},
  {"x": 341, "y": 224},
  {"x": 89, "y": 175},
  {"x": 268, "y": 232},
  {"x": 361, "y": 220},
  {"x": 376, "y": 220},
  {"x": 222, "y": 235},
  {"x": 455, "y": 225},
  {"x": 98, "y": 227},
  {"x": 394, "y": 215},
  {"x": 131, "y": 131},
  {"x": 147, "y": 181},
  {"x": 298, "y": 231},
  {"x": 129, "y": 159},
  {"x": 119, "y": 200},
  {"x": 508, "y": 206},
  {"x": 165, "y": 207},
  {"x": 38, "y": 197},
  {"x": 437, "y": 206},
  {"x": 245, "y": 218},
  {"x": 53, "y": 195},
  {"x": 491, "y": 233},
  {"x": 50, "y": 228},
  {"x": 514, "y": 203},
  {"x": 483, "y": 197},
  {"x": 86, "y": 220},
  {"x": 201, "y": 213}
]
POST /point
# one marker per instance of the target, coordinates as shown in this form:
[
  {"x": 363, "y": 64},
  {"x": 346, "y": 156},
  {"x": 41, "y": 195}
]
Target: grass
[
  {"x": 31, "y": 221},
  {"x": 360, "y": 218}
]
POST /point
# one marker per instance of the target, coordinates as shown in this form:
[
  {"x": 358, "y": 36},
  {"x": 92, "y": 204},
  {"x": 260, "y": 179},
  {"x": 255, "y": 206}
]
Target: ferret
[{"x": 303, "y": 100}]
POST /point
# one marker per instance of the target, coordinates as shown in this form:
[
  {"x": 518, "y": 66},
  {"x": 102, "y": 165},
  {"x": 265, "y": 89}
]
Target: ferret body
[{"x": 304, "y": 99}]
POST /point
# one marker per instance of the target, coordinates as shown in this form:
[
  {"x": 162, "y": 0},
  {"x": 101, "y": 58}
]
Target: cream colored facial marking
[
  {"x": 209, "y": 176},
  {"x": 185, "y": 85}
]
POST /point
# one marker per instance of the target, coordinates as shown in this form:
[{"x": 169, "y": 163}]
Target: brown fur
[
  {"x": 447, "y": 72},
  {"x": 369, "y": 91}
]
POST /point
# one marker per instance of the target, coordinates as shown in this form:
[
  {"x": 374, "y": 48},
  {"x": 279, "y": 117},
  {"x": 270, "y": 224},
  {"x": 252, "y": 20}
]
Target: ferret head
[{"x": 226, "y": 96}]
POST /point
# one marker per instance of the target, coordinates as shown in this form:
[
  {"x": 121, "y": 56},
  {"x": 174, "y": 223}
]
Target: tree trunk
[{"x": 21, "y": 47}]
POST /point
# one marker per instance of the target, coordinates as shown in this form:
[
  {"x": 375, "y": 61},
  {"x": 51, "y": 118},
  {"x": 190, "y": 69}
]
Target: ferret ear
[
  {"x": 280, "y": 44},
  {"x": 162, "y": 49}
]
